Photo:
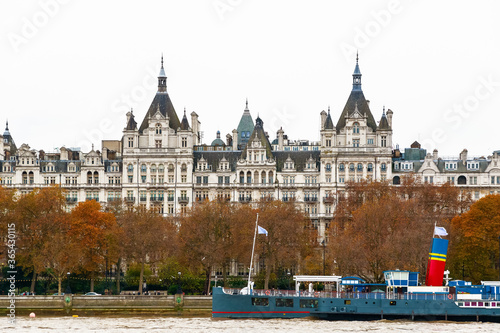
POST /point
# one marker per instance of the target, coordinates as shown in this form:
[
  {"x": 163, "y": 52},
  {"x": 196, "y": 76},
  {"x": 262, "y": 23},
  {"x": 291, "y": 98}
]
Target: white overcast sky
[{"x": 71, "y": 69}]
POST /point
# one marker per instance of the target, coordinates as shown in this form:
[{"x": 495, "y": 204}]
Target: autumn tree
[
  {"x": 7, "y": 204},
  {"x": 214, "y": 232},
  {"x": 94, "y": 233},
  {"x": 474, "y": 249},
  {"x": 289, "y": 235},
  {"x": 147, "y": 238},
  {"x": 37, "y": 213},
  {"x": 379, "y": 227},
  {"x": 59, "y": 254}
]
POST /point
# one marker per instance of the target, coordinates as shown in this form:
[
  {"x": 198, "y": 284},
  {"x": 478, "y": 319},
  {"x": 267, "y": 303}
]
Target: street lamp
[
  {"x": 68, "y": 289},
  {"x": 288, "y": 273},
  {"x": 179, "y": 289}
]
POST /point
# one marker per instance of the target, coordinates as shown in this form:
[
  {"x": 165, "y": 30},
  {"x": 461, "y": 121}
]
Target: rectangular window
[
  {"x": 355, "y": 143},
  {"x": 205, "y": 179},
  {"x": 370, "y": 141},
  {"x": 157, "y": 143},
  {"x": 184, "y": 142},
  {"x": 198, "y": 179},
  {"x": 183, "y": 178},
  {"x": 220, "y": 180},
  {"x": 258, "y": 301},
  {"x": 383, "y": 142},
  {"x": 226, "y": 179},
  {"x": 308, "y": 303},
  {"x": 284, "y": 302},
  {"x": 143, "y": 179},
  {"x": 130, "y": 142}
]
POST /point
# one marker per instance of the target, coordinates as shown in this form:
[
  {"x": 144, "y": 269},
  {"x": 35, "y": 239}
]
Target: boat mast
[{"x": 253, "y": 248}]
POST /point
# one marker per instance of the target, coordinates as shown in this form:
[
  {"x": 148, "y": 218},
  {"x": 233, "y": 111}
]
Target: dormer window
[
  {"x": 158, "y": 129},
  {"x": 472, "y": 165},
  {"x": 450, "y": 165}
]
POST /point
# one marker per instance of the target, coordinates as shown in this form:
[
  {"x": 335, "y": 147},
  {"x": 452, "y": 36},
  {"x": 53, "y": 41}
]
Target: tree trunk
[
  {"x": 224, "y": 273},
  {"x": 207, "y": 280},
  {"x": 141, "y": 278},
  {"x": 268, "y": 274},
  {"x": 33, "y": 281},
  {"x": 118, "y": 264},
  {"x": 92, "y": 281},
  {"x": 59, "y": 284}
]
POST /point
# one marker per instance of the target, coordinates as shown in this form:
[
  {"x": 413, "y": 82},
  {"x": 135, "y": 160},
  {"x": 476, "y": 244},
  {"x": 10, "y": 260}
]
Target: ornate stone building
[{"x": 161, "y": 163}]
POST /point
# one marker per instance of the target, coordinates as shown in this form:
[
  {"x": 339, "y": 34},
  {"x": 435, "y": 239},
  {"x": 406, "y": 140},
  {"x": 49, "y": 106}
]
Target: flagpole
[{"x": 253, "y": 248}]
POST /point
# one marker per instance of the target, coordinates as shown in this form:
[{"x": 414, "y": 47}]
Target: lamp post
[
  {"x": 68, "y": 288},
  {"x": 288, "y": 274},
  {"x": 179, "y": 289}
]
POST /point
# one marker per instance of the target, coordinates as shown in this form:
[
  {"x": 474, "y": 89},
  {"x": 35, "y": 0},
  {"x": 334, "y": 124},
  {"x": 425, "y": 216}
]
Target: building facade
[{"x": 162, "y": 164}]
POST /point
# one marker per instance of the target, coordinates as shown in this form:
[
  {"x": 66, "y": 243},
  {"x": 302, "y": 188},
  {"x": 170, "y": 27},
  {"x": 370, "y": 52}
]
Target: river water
[{"x": 204, "y": 324}]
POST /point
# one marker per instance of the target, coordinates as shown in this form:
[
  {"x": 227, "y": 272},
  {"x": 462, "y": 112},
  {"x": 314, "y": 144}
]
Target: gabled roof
[
  {"x": 164, "y": 104},
  {"x": 258, "y": 132},
  {"x": 357, "y": 97}
]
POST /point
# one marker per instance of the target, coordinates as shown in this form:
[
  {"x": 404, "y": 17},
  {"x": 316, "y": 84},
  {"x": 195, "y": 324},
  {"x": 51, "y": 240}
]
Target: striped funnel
[{"x": 436, "y": 263}]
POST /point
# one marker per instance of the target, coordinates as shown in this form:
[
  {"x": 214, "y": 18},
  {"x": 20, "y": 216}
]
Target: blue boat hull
[{"x": 368, "y": 307}]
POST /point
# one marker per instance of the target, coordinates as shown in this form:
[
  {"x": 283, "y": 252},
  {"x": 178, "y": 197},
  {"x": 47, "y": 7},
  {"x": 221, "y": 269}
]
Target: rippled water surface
[{"x": 187, "y": 325}]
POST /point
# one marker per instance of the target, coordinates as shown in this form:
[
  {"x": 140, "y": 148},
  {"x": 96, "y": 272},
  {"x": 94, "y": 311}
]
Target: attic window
[
  {"x": 355, "y": 128},
  {"x": 158, "y": 129}
]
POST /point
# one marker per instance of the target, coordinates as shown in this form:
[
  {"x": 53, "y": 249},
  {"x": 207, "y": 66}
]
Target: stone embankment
[{"x": 107, "y": 305}]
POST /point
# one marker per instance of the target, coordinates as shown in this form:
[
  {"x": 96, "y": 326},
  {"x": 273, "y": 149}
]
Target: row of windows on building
[{"x": 158, "y": 143}]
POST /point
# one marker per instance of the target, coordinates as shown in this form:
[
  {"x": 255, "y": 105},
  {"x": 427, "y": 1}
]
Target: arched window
[
  {"x": 351, "y": 167},
  {"x": 271, "y": 177},
  {"x": 89, "y": 177},
  {"x": 360, "y": 167},
  {"x": 355, "y": 128},
  {"x": 25, "y": 177},
  {"x": 383, "y": 167},
  {"x": 462, "y": 180},
  {"x": 96, "y": 177},
  {"x": 144, "y": 168},
  {"x": 341, "y": 167},
  {"x": 370, "y": 167},
  {"x": 249, "y": 177},
  {"x": 263, "y": 177},
  {"x": 158, "y": 128},
  {"x": 396, "y": 180},
  {"x": 153, "y": 168},
  {"x": 161, "y": 168},
  {"x": 242, "y": 177},
  {"x": 328, "y": 167},
  {"x": 130, "y": 168}
]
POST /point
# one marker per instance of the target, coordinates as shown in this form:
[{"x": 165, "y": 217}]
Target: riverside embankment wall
[{"x": 133, "y": 304}]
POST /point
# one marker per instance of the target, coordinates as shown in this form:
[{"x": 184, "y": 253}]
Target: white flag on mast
[
  {"x": 262, "y": 230},
  {"x": 440, "y": 231}
]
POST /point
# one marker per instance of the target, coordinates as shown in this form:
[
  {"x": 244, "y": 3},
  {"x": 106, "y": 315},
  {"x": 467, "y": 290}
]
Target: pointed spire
[
  {"x": 356, "y": 76},
  {"x": 328, "y": 109},
  {"x": 246, "y": 104},
  {"x": 7, "y": 125},
  {"x": 162, "y": 78}
]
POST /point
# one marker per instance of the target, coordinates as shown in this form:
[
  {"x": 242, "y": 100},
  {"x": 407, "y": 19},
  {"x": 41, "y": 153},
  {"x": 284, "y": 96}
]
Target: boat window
[
  {"x": 479, "y": 303},
  {"x": 258, "y": 301},
  {"x": 308, "y": 303},
  {"x": 486, "y": 304},
  {"x": 284, "y": 302},
  {"x": 392, "y": 303},
  {"x": 347, "y": 302}
]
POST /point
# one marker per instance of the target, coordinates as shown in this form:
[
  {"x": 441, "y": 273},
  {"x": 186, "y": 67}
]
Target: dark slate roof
[
  {"x": 132, "y": 124},
  {"x": 462, "y": 168},
  {"x": 329, "y": 122},
  {"x": 384, "y": 124},
  {"x": 299, "y": 158},
  {"x": 184, "y": 124},
  {"x": 356, "y": 97},
  {"x": 261, "y": 135},
  {"x": 162, "y": 100},
  {"x": 214, "y": 157}
]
